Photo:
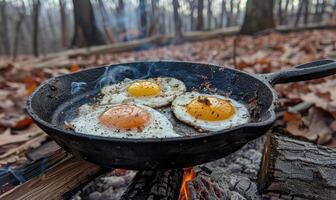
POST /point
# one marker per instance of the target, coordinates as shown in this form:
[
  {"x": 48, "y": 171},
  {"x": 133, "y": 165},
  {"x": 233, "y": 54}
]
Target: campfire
[{"x": 188, "y": 175}]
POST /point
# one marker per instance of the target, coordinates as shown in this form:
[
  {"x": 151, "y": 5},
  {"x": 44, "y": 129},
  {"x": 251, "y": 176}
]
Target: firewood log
[
  {"x": 297, "y": 168},
  {"x": 155, "y": 185}
]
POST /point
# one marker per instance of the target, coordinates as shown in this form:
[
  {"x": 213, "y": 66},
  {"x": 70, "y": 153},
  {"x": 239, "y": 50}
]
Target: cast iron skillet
[{"x": 56, "y": 99}]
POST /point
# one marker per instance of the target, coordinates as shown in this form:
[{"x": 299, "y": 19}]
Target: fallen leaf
[
  {"x": 31, "y": 85},
  {"x": 15, "y": 121},
  {"x": 8, "y": 138},
  {"x": 316, "y": 127},
  {"x": 74, "y": 68},
  {"x": 288, "y": 116}
]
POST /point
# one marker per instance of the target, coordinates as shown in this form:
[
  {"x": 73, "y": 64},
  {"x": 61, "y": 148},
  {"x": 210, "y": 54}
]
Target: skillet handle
[{"x": 308, "y": 71}]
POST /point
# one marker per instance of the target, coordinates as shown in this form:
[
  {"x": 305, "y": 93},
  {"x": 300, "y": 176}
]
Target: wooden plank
[
  {"x": 12, "y": 177},
  {"x": 56, "y": 181}
]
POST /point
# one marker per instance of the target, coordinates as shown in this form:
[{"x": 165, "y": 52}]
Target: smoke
[
  {"x": 77, "y": 87},
  {"x": 113, "y": 75}
]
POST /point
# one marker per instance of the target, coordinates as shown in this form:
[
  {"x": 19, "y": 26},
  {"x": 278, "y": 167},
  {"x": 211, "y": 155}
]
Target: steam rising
[
  {"x": 112, "y": 75},
  {"x": 77, "y": 87}
]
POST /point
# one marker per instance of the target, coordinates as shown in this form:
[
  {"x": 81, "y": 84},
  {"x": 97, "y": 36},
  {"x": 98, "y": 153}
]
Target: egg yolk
[
  {"x": 211, "y": 109},
  {"x": 144, "y": 88},
  {"x": 125, "y": 117}
]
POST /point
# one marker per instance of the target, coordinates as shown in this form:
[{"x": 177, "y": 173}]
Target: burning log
[
  {"x": 155, "y": 185},
  {"x": 297, "y": 168}
]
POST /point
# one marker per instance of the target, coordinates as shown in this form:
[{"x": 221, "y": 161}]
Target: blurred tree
[
  {"x": 36, "y": 13},
  {"x": 86, "y": 30},
  {"x": 192, "y": 5},
  {"x": 209, "y": 14},
  {"x": 306, "y": 13},
  {"x": 200, "y": 5},
  {"x": 284, "y": 19},
  {"x": 223, "y": 12},
  {"x": 63, "y": 23},
  {"x": 120, "y": 19},
  {"x": 280, "y": 14},
  {"x": 18, "y": 25},
  {"x": 104, "y": 15},
  {"x": 177, "y": 21},
  {"x": 4, "y": 28},
  {"x": 258, "y": 16},
  {"x": 153, "y": 20},
  {"x": 143, "y": 18},
  {"x": 230, "y": 15}
]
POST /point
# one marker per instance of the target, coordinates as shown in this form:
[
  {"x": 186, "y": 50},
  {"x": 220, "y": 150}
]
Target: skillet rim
[{"x": 59, "y": 131}]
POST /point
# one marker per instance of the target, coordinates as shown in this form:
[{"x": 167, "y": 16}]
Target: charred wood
[{"x": 155, "y": 185}]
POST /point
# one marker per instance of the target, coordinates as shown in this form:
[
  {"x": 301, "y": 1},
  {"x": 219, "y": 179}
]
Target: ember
[{"x": 188, "y": 175}]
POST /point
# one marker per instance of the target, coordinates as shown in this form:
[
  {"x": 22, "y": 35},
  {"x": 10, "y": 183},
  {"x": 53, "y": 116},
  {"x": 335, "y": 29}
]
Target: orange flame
[{"x": 188, "y": 175}]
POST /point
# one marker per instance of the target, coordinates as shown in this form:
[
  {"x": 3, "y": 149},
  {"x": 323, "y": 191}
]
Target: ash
[
  {"x": 109, "y": 186},
  {"x": 233, "y": 177}
]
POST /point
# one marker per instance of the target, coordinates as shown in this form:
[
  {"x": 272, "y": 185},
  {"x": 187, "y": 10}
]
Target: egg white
[
  {"x": 180, "y": 111},
  {"x": 87, "y": 122},
  {"x": 117, "y": 93}
]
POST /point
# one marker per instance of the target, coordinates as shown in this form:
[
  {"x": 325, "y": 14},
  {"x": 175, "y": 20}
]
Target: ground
[{"x": 255, "y": 54}]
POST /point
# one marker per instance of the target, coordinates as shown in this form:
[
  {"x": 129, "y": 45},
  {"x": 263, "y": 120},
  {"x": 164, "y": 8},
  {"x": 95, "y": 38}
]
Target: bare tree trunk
[
  {"x": 4, "y": 29},
  {"x": 51, "y": 24},
  {"x": 298, "y": 14},
  {"x": 209, "y": 13},
  {"x": 306, "y": 14},
  {"x": 230, "y": 15},
  {"x": 36, "y": 13},
  {"x": 238, "y": 12},
  {"x": 177, "y": 21},
  {"x": 258, "y": 16},
  {"x": 200, "y": 6},
  {"x": 17, "y": 33},
  {"x": 153, "y": 21},
  {"x": 120, "y": 21},
  {"x": 224, "y": 10},
  {"x": 103, "y": 13},
  {"x": 322, "y": 10},
  {"x": 317, "y": 10},
  {"x": 286, "y": 11},
  {"x": 63, "y": 23},
  {"x": 143, "y": 18},
  {"x": 280, "y": 15},
  {"x": 86, "y": 30},
  {"x": 192, "y": 10}
]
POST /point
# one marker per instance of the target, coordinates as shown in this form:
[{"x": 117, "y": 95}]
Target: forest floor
[{"x": 257, "y": 54}]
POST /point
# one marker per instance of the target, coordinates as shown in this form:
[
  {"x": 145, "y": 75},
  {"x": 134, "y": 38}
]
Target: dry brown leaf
[
  {"x": 316, "y": 127},
  {"x": 21, "y": 136},
  {"x": 74, "y": 68},
  {"x": 15, "y": 121},
  {"x": 288, "y": 116}
]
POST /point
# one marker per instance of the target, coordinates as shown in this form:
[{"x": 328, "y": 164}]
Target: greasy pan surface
[{"x": 57, "y": 99}]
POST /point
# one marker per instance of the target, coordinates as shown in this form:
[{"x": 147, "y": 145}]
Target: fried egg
[
  {"x": 152, "y": 92},
  {"x": 209, "y": 112},
  {"x": 122, "y": 121}
]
